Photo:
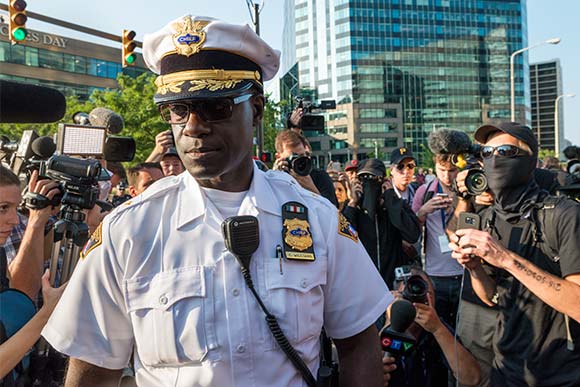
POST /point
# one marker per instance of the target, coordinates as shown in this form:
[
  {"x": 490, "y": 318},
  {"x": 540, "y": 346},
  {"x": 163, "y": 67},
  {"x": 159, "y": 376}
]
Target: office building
[
  {"x": 545, "y": 87},
  {"x": 72, "y": 66},
  {"x": 400, "y": 68}
]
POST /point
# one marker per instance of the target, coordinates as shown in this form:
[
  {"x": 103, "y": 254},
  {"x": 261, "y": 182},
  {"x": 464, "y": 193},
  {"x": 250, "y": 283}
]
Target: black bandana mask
[
  {"x": 509, "y": 178},
  {"x": 371, "y": 193}
]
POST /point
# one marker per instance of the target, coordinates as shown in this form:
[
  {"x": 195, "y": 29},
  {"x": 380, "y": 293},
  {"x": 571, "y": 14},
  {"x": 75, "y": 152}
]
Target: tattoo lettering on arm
[{"x": 538, "y": 277}]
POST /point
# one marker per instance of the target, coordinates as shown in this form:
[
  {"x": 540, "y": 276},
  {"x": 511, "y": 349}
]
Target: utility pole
[{"x": 255, "y": 9}]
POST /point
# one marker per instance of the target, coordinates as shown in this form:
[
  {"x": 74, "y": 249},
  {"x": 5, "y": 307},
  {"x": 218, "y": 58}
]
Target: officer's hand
[
  {"x": 460, "y": 181},
  {"x": 434, "y": 204},
  {"x": 50, "y": 295},
  {"x": 485, "y": 199},
  {"x": 281, "y": 164},
  {"x": 163, "y": 141},
  {"x": 295, "y": 117},
  {"x": 355, "y": 193},
  {"x": 427, "y": 316},
  {"x": 46, "y": 188},
  {"x": 388, "y": 367}
]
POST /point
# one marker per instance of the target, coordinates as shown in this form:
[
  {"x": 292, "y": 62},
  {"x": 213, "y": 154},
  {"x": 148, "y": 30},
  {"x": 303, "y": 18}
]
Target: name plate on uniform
[{"x": 296, "y": 234}]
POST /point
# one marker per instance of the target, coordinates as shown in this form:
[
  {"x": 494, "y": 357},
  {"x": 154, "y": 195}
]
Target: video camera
[
  {"x": 571, "y": 187},
  {"x": 465, "y": 155},
  {"x": 310, "y": 121}
]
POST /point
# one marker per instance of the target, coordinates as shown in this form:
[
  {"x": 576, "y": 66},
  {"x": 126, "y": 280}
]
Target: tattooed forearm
[{"x": 537, "y": 276}]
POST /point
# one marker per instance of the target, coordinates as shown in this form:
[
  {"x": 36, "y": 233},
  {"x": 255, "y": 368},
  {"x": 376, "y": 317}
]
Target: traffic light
[
  {"x": 266, "y": 157},
  {"x": 17, "y": 23},
  {"x": 129, "y": 47}
]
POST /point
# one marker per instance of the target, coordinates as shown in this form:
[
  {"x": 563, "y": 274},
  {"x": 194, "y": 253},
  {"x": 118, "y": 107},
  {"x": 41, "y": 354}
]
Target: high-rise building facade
[
  {"x": 545, "y": 87},
  {"x": 437, "y": 63}
]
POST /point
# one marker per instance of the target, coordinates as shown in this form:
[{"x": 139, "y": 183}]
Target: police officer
[{"x": 156, "y": 279}]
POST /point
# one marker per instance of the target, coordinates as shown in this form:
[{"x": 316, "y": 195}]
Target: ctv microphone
[
  {"x": 107, "y": 118},
  {"x": 21, "y": 103},
  {"x": 394, "y": 341}
]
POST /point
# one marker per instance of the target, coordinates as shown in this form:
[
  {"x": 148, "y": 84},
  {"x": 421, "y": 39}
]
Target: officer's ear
[
  {"x": 258, "y": 103},
  {"x": 132, "y": 191}
]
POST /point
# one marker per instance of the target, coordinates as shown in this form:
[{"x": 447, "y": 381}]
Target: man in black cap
[
  {"x": 532, "y": 239},
  {"x": 159, "y": 279},
  {"x": 382, "y": 220}
]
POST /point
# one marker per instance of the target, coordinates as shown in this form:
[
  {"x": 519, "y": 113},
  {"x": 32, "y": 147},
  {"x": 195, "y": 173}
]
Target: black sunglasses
[
  {"x": 409, "y": 166},
  {"x": 209, "y": 110},
  {"x": 506, "y": 150}
]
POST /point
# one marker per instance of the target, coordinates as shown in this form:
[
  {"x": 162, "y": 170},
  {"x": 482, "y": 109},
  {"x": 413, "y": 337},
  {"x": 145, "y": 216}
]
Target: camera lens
[
  {"x": 476, "y": 182},
  {"x": 302, "y": 165},
  {"x": 415, "y": 290}
]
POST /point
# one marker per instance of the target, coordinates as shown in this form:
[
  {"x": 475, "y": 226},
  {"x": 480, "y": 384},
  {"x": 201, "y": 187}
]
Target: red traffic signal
[
  {"x": 17, "y": 22},
  {"x": 266, "y": 157},
  {"x": 129, "y": 46}
]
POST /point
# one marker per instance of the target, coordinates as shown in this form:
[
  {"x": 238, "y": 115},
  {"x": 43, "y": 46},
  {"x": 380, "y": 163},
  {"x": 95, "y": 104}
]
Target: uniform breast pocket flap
[{"x": 171, "y": 315}]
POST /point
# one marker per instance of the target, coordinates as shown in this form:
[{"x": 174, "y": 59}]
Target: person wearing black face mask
[
  {"x": 532, "y": 240},
  {"x": 382, "y": 220}
]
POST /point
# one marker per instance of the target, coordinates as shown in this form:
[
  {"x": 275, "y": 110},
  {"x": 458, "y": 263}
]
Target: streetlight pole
[
  {"x": 512, "y": 76},
  {"x": 376, "y": 149},
  {"x": 255, "y": 9},
  {"x": 557, "y": 123}
]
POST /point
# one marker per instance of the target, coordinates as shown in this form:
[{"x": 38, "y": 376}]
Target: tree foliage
[{"x": 133, "y": 100}]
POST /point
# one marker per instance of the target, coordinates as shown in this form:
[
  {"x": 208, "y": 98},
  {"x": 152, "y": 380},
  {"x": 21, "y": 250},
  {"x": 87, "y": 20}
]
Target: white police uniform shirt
[{"x": 160, "y": 279}]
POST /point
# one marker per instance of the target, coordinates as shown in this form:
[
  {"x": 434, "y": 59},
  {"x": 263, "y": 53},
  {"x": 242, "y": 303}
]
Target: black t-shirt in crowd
[{"x": 530, "y": 342}]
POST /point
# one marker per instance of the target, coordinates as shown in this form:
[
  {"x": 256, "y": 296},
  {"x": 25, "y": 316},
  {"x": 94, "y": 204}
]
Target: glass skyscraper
[{"x": 437, "y": 63}]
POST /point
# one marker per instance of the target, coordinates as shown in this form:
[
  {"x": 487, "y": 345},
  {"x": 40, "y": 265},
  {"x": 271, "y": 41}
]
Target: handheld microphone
[
  {"x": 394, "y": 341},
  {"x": 107, "y": 118},
  {"x": 22, "y": 103}
]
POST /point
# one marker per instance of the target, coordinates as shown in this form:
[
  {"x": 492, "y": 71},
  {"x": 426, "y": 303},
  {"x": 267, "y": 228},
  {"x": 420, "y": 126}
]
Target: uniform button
[
  {"x": 304, "y": 283},
  {"x": 241, "y": 348},
  {"x": 163, "y": 300},
  {"x": 236, "y": 292}
]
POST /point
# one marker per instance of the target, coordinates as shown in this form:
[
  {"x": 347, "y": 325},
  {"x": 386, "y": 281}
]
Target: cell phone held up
[{"x": 469, "y": 220}]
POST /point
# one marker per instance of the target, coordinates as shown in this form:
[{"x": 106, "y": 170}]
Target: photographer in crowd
[
  {"x": 433, "y": 204},
  {"x": 292, "y": 157},
  {"x": 141, "y": 176},
  {"x": 532, "y": 240},
  {"x": 436, "y": 351},
  {"x": 24, "y": 271},
  {"x": 383, "y": 220}
]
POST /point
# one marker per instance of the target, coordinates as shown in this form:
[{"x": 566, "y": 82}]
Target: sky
[{"x": 546, "y": 19}]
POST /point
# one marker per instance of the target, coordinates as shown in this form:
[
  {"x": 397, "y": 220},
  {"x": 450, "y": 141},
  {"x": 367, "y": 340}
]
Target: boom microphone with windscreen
[
  {"x": 394, "y": 340},
  {"x": 106, "y": 118},
  {"x": 448, "y": 141},
  {"x": 43, "y": 147},
  {"x": 21, "y": 103}
]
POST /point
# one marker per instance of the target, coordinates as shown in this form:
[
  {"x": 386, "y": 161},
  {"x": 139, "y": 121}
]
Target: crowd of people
[{"x": 215, "y": 270}]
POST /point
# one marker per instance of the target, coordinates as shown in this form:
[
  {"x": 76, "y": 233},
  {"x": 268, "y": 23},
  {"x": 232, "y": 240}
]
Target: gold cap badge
[{"x": 190, "y": 36}]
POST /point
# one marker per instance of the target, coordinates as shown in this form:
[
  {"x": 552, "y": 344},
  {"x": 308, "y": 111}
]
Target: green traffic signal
[
  {"x": 130, "y": 59},
  {"x": 19, "y": 34}
]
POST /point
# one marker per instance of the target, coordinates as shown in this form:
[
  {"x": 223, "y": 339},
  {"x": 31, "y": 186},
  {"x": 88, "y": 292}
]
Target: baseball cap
[
  {"x": 202, "y": 57},
  {"x": 400, "y": 154},
  {"x": 170, "y": 152},
  {"x": 352, "y": 165},
  {"x": 514, "y": 129},
  {"x": 372, "y": 166}
]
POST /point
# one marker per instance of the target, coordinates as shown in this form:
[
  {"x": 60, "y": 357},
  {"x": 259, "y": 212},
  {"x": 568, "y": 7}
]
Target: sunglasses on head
[
  {"x": 506, "y": 150},
  {"x": 209, "y": 110},
  {"x": 409, "y": 166}
]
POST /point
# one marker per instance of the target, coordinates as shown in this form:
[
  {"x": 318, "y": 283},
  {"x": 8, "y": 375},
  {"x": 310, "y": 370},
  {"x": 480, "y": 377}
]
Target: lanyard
[{"x": 443, "y": 215}]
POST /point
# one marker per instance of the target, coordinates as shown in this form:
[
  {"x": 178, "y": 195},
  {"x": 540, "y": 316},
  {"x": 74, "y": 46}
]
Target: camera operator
[
  {"x": 293, "y": 120},
  {"x": 382, "y": 221},
  {"x": 291, "y": 146},
  {"x": 141, "y": 176},
  {"x": 166, "y": 154},
  {"x": 435, "y": 352},
  {"x": 26, "y": 268},
  {"x": 532, "y": 239}
]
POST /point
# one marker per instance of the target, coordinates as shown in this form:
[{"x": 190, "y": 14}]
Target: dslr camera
[
  {"x": 301, "y": 164},
  {"x": 415, "y": 289}
]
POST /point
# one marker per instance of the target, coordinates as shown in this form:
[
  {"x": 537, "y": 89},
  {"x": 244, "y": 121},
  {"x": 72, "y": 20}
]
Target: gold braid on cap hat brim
[{"x": 211, "y": 80}]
